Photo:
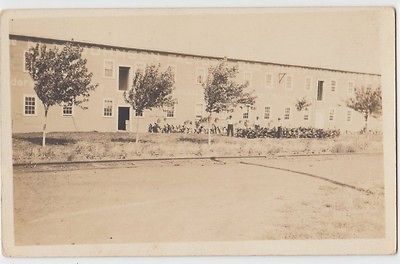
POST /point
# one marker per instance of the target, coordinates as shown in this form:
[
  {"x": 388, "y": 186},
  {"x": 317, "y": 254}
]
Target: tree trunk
[
  {"x": 209, "y": 129},
  {"x": 137, "y": 130},
  {"x": 366, "y": 123},
  {"x": 46, "y": 109}
]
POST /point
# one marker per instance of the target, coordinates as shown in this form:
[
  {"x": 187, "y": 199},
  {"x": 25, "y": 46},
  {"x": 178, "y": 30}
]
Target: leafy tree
[
  {"x": 60, "y": 76},
  {"x": 367, "y": 101},
  {"x": 222, "y": 92},
  {"x": 302, "y": 104},
  {"x": 151, "y": 88}
]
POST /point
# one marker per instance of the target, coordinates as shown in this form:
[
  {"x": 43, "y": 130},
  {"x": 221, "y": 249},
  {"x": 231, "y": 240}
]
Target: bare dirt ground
[{"x": 329, "y": 197}]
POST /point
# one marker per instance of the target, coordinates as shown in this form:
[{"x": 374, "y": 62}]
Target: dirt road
[{"x": 248, "y": 199}]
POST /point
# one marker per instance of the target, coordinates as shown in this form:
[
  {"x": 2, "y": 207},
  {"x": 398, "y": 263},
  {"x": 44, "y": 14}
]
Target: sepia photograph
[{"x": 222, "y": 131}]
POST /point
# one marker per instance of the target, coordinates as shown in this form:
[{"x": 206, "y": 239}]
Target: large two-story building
[{"x": 277, "y": 87}]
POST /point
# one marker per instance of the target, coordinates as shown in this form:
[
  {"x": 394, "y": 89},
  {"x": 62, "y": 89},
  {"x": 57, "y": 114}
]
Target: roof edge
[{"x": 106, "y": 46}]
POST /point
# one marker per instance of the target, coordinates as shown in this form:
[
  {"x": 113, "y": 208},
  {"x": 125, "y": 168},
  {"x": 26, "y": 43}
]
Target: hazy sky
[{"x": 345, "y": 39}]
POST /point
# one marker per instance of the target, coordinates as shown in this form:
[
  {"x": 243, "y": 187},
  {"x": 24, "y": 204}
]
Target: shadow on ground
[{"x": 49, "y": 141}]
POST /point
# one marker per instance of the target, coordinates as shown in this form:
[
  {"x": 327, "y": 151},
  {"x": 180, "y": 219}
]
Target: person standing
[
  {"x": 230, "y": 126},
  {"x": 257, "y": 124},
  {"x": 279, "y": 128}
]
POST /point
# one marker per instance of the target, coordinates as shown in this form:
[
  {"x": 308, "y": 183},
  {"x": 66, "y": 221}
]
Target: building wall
[{"x": 189, "y": 93}]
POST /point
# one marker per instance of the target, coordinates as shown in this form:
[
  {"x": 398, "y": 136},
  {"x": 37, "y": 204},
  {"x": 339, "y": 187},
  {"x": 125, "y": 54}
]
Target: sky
[{"x": 345, "y": 39}]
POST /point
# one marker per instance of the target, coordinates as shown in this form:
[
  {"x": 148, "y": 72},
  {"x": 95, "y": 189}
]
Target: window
[
  {"x": 247, "y": 77},
  {"x": 170, "y": 111},
  {"x": 287, "y": 113},
  {"x": 140, "y": 67},
  {"x": 267, "y": 112},
  {"x": 320, "y": 90},
  {"x": 173, "y": 69},
  {"x": 24, "y": 61},
  {"x": 123, "y": 78},
  {"x": 139, "y": 113},
  {"x": 246, "y": 115},
  {"x": 306, "y": 115},
  {"x": 308, "y": 83},
  {"x": 199, "y": 110},
  {"x": 108, "y": 108},
  {"x": 200, "y": 76},
  {"x": 331, "y": 114},
  {"x": 268, "y": 81},
  {"x": 288, "y": 83},
  {"x": 108, "y": 69},
  {"x": 333, "y": 86},
  {"x": 351, "y": 88},
  {"x": 30, "y": 105},
  {"x": 67, "y": 110},
  {"x": 348, "y": 118}
]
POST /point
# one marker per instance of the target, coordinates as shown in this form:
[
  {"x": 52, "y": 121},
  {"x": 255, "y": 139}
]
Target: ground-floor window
[
  {"x": 30, "y": 105},
  {"x": 287, "y": 113},
  {"x": 267, "y": 112},
  {"x": 331, "y": 114},
  {"x": 108, "y": 108},
  {"x": 348, "y": 118},
  {"x": 170, "y": 111},
  {"x": 306, "y": 115},
  {"x": 67, "y": 110},
  {"x": 199, "y": 110}
]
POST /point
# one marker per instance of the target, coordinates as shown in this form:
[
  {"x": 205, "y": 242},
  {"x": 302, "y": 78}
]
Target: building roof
[{"x": 105, "y": 46}]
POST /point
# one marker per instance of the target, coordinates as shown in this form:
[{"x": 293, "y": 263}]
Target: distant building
[{"x": 277, "y": 87}]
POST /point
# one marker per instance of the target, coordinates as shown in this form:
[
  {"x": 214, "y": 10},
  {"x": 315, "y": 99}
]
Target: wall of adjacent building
[{"x": 275, "y": 94}]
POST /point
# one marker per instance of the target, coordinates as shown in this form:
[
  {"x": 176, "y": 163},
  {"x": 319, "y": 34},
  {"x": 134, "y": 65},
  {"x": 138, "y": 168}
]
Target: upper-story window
[
  {"x": 200, "y": 75},
  {"x": 351, "y": 88},
  {"x": 173, "y": 70},
  {"x": 320, "y": 90},
  {"x": 308, "y": 83},
  {"x": 24, "y": 61},
  {"x": 333, "y": 85},
  {"x": 123, "y": 78},
  {"x": 247, "y": 77},
  {"x": 139, "y": 113},
  {"x": 289, "y": 82},
  {"x": 268, "y": 80},
  {"x": 109, "y": 68},
  {"x": 29, "y": 105}
]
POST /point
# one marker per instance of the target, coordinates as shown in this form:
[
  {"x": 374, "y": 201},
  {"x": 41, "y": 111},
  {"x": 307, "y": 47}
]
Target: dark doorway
[
  {"x": 123, "y": 78},
  {"x": 320, "y": 90},
  {"x": 123, "y": 116}
]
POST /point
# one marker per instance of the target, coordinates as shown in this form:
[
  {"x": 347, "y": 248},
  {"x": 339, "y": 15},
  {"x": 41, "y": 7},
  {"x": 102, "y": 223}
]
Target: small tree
[
  {"x": 150, "y": 89},
  {"x": 60, "y": 77},
  {"x": 302, "y": 104},
  {"x": 367, "y": 101},
  {"x": 221, "y": 92}
]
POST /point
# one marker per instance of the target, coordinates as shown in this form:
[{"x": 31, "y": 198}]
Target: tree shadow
[
  {"x": 130, "y": 140},
  {"x": 50, "y": 141},
  {"x": 195, "y": 140},
  {"x": 313, "y": 176}
]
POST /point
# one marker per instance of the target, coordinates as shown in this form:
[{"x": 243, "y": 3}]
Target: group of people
[{"x": 200, "y": 126}]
